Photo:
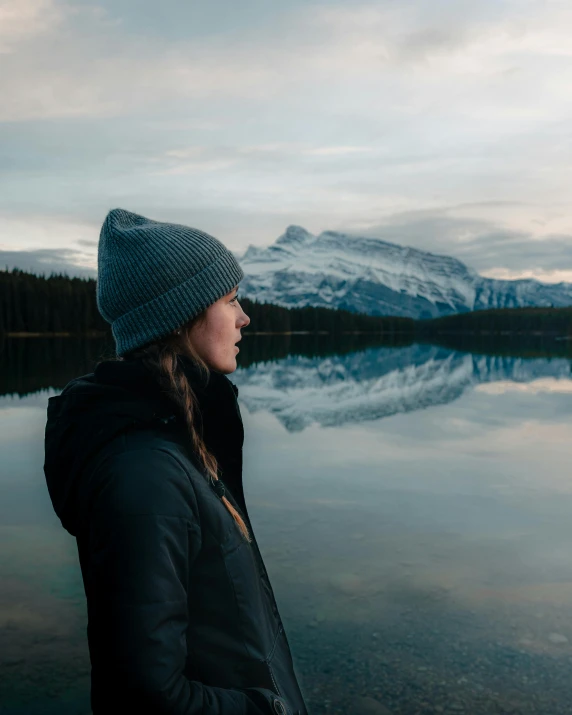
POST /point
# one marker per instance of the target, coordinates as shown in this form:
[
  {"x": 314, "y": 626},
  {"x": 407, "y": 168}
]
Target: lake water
[{"x": 413, "y": 505}]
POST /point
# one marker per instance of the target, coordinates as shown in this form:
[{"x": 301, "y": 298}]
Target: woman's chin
[{"x": 225, "y": 367}]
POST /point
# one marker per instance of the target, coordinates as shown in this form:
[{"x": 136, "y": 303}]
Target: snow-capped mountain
[
  {"x": 368, "y": 275},
  {"x": 377, "y": 382}
]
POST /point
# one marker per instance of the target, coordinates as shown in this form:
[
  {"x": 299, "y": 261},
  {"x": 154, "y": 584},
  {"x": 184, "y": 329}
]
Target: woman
[{"x": 144, "y": 467}]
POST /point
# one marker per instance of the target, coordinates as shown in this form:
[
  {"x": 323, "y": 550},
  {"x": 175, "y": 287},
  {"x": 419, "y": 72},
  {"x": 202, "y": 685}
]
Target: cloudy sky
[{"x": 440, "y": 124}]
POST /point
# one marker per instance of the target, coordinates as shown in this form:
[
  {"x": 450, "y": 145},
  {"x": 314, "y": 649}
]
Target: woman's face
[{"x": 215, "y": 336}]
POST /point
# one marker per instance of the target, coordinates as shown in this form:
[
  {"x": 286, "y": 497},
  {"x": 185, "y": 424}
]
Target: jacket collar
[
  {"x": 218, "y": 419},
  {"x": 133, "y": 377},
  {"x": 120, "y": 395}
]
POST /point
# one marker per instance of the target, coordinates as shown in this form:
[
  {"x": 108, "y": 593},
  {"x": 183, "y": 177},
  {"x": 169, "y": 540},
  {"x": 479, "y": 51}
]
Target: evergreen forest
[{"x": 60, "y": 305}]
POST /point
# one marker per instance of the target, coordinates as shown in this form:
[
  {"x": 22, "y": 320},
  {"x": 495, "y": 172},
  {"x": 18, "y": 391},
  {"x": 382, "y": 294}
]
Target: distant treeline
[
  {"x": 268, "y": 318},
  {"x": 59, "y": 304},
  {"x": 500, "y": 321}
]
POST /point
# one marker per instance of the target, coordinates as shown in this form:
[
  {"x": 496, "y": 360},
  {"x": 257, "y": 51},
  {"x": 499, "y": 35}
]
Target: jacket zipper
[
  {"x": 274, "y": 681},
  {"x": 280, "y": 630}
]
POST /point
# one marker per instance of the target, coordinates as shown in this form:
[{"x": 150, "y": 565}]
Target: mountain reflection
[
  {"x": 377, "y": 382},
  {"x": 304, "y": 380}
]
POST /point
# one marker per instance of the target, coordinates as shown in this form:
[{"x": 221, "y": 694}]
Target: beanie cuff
[{"x": 161, "y": 315}]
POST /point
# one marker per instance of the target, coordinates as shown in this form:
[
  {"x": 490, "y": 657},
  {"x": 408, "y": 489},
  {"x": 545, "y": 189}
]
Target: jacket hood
[{"x": 95, "y": 408}]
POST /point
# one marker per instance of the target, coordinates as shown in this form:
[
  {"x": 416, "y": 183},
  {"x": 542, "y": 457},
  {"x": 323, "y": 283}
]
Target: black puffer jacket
[{"x": 181, "y": 614}]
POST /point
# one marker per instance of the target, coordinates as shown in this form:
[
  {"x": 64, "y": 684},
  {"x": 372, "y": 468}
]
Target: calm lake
[{"x": 413, "y": 505}]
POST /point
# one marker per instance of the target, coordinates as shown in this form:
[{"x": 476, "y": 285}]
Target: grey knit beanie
[{"x": 154, "y": 276}]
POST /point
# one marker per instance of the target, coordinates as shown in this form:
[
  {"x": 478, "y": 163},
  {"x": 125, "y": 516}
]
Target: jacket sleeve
[{"x": 144, "y": 536}]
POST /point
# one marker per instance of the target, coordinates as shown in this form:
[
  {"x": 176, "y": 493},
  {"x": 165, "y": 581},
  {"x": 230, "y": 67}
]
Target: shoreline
[{"x": 261, "y": 332}]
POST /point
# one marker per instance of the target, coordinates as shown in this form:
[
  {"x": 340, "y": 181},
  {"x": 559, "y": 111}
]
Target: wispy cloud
[
  {"x": 45, "y": 261},
  {"x": 25, "y": 20},
  {"x": 215, "y": 158},
  {"x": 490, "y": 247},
  {"x": 102, "y": 70},
  {"x": 244, "y": 118}
]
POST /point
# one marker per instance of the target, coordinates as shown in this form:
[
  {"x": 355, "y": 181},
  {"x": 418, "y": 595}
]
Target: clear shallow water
[{"x": 413, "y": 508}]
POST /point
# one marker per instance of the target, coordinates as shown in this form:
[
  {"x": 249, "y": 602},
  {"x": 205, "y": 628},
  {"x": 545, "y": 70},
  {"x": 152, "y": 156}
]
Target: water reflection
[
  {"x": 377, "y": 382},
  {"x": 412, "y": 504}
]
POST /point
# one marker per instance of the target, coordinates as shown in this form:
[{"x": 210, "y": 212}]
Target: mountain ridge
[{"x": 373, "y": 276}]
